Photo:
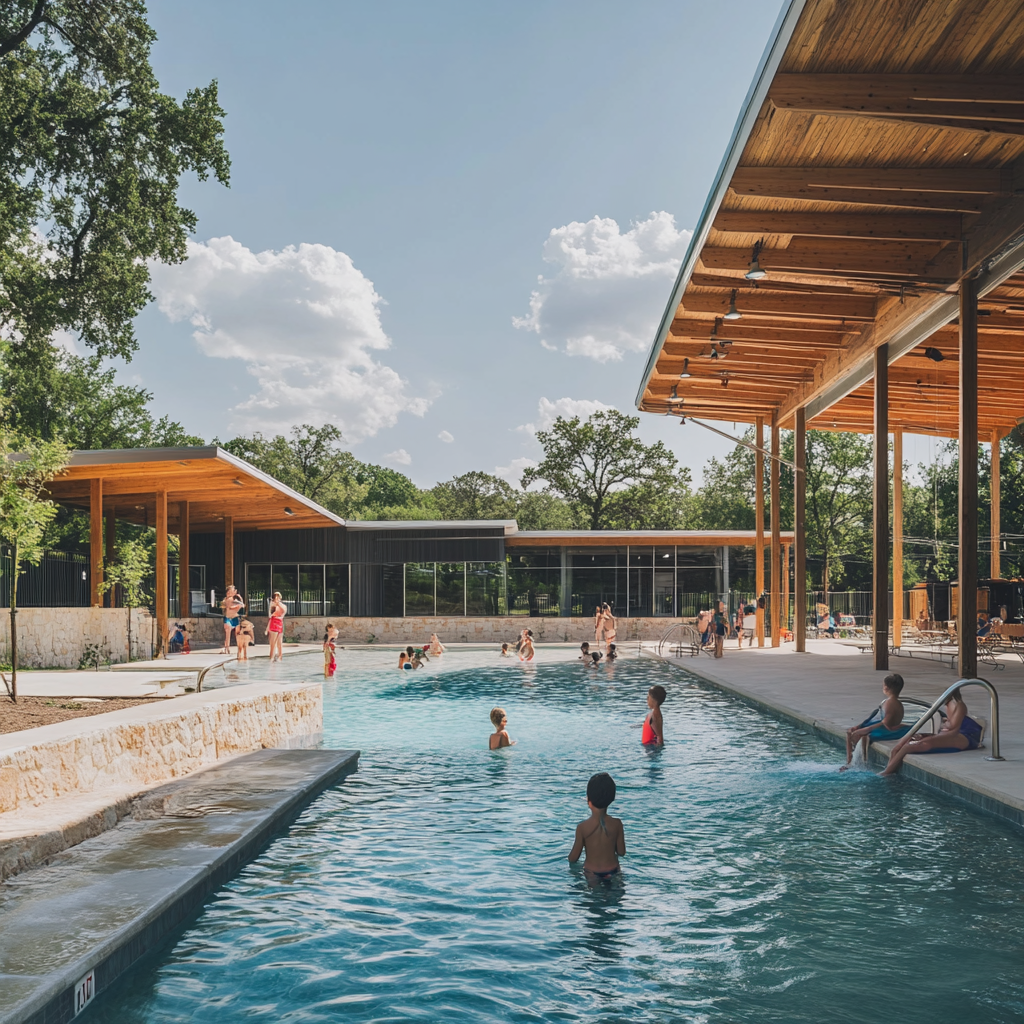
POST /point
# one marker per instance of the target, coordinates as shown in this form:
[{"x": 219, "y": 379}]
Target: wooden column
[
  {"x": 110, "y": 549},
  {"x": 995, "y": 568},
  {"x": 161, "y": 574},
  {"x": 184, "y": 593},
  {"x": 880, "y": 539},
  {"x": 229, "y": 552},
  {"x": 967, "y": 619},
  {"x": 95, "y": 543},
  {"x": 800, "y": 532},
  {"x": 785, "y": 586},
  {"x": 759, "y": 528},
  {"x": 897, "y": 537},
  {"x": 776, "y": 550}
]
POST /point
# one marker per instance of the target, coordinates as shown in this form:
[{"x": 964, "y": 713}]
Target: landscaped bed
[{"x": 30, "y": 712}]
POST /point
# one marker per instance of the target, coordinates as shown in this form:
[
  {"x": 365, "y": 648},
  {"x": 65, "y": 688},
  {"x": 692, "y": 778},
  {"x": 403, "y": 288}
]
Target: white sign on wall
[{"x": 84, "y": 991}]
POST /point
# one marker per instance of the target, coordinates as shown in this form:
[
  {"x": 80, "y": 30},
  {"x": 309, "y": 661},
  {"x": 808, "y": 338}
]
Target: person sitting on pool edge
[
  {"x": 889, "y": 727},
  {"x": 499, "y": 738},
  {"x": 654, "y": 725},
  {"x": 601, "y": 835},
  {"x": 958, "y": 732}
]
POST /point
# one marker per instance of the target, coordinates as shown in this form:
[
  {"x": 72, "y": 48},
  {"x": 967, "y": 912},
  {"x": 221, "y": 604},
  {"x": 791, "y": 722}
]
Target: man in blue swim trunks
[{"x": 888, "y": 727}]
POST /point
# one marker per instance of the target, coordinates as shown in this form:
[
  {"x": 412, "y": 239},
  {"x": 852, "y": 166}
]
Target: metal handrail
[
  {"x": 994, "y": 703},
  {"x": 202, "y": 674},
  {"x": 694, "y": 639}
]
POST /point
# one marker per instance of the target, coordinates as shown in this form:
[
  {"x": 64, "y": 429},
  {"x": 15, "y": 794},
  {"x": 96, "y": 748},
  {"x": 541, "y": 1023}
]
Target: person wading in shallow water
[
  {"x": 232, "y": 605},
  {"x": 275, "y": 627},
  {"x": 598, "y": 624},
  {"x": 609, "y": 625}
]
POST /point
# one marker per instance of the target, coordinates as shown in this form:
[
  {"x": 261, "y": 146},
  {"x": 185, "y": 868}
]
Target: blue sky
[{"x": 409, "y": 178}]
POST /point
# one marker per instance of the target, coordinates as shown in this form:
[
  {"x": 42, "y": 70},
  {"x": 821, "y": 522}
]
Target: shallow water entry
[{"x": 760, "y": 886}]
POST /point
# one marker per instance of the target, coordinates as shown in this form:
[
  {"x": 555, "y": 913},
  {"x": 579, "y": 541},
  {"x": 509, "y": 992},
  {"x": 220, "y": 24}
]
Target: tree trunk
[{"x": 14, "y": 625}]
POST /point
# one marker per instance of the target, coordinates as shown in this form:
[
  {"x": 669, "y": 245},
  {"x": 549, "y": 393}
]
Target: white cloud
[
  {"x": 609, "y": 288},
  {"x": 401, "y": 457},
  {"x": 513, "y": 472},
  {"x": 446, "y": 437},
  {"x": 305, "y": 321},
  {"x": 548, "y": 412}
]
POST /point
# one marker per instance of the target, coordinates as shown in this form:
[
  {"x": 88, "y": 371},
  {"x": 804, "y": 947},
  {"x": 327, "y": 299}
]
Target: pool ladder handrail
[
  {"x": 693, "y": 640},
  {"x": 994, "y": 705}
]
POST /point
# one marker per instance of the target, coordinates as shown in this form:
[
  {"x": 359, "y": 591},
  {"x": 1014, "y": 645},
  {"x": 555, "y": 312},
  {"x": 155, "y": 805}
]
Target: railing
[
  {"x": 686, "y": 638},
  {"x": 994, "y": 706}
]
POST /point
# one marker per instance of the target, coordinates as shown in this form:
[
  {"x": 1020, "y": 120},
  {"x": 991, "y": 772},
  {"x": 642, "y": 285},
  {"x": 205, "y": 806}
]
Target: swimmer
[
  {"x": 526, "y": 651},
  {"x": 403, "y": 658},
  {"x": 889, "y": 727},
  {"x": 436, "y": 648},
  {"x": 595, "y": 657},
  {"x": 584, "y": 652},
  {"x": 611, "y": 655},
  {"x": 609, "y": 625},
  {"x": 330, "y": 662},
  {"x": 505, "y": 652},
  {"x": 499, "y": 738},
  {"x": 411, "y": 661},
  {"x": 601, "y": 835},
  {"x": 654, "y": 725}
]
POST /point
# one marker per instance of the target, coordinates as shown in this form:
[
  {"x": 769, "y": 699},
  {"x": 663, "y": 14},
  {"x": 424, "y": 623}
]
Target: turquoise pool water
[{"x": 760, "y": 885}]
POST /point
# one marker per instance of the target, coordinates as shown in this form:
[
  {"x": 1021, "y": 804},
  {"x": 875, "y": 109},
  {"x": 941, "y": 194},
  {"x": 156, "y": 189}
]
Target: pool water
[{"x": 760, "y": 884}]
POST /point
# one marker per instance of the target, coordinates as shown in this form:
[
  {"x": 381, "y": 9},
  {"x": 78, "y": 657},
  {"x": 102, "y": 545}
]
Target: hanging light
[
  {"x": 734, "y": 313},
  {"x": 674, "y": 397},
  {"x": 714, "y": 352},
  {"x": 756, "y": 272},
  {"x": 288, "y": 511},
  {"x": 934, "y": 355},
  {"x": 686, "y": 369}
]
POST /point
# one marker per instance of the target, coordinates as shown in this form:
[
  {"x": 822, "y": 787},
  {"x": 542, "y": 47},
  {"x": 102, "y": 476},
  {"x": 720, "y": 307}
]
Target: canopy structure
[
  {"x": 857, "y": 265},
  {"x": 179, "y": 491}
]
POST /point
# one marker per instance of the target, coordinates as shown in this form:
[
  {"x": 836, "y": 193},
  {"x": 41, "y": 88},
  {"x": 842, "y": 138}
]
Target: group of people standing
[
  {"x": 232, "y": 608},
  {"x": 604, "y": 626}
]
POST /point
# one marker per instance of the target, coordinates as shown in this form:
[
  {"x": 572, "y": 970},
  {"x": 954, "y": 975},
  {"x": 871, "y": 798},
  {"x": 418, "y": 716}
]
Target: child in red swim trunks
[{"x": 654, "y": 727}]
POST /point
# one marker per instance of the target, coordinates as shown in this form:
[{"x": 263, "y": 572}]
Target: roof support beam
[{"x": 939, "y": 227}]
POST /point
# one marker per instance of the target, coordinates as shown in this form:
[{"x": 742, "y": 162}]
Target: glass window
[
  {"x": 533, "y": 590},
  {"x": 286, "y": 580},
  {"x": 393, "y": 589},
  {"x": 485, "y": 588},
  {"x": 451, "y": 588},
  {"x": 419, "y": 588},
  {"x": 640, "y": 556},
  {"x": 311, "y": 590},
  {"x": 640, "y": 588},
  {"x": 664, "y": 590},
  {"x": 257, "y": 589},
  {"x": 598, "y": 586},
  {"x": 336, "y": 590}
]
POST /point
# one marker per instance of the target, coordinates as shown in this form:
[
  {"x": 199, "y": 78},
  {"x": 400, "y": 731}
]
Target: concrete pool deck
[
  {"x": 833, "y": 686},
  {"x": 100, "y": 907}
]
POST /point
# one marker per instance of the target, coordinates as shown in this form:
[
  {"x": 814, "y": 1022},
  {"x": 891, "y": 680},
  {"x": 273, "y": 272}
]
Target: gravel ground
[{"x": 30, "y": 712}]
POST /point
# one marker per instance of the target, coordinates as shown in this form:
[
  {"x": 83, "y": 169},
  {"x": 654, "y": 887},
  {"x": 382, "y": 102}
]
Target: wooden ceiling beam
[
  {"x": 733, "y": 279},
  {"x": 946, "y": 227},
  {"x": 878, "y": 258},
  {"x": 764, "y": 304}
]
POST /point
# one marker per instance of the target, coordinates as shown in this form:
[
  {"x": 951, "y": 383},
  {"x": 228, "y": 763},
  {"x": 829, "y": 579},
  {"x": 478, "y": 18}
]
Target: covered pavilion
[
  {"x": 858, "y": 263},
  {"x": 177, "y": 491}
]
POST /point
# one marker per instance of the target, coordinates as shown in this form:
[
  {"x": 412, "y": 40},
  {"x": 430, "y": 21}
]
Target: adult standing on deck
[
  {"x": 275, "y": 627},
  {"x": 721, "y": 627},
  {"x": 608, "y": 621},
  {"x": 598, "y": 624},
  {"x": 232, "y": 605}
]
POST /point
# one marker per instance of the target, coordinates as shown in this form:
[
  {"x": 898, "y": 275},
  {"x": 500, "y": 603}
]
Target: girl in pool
[
  {"x": 959, "y": 732},
  {"x": 244, "y": 636},
  {"x": 505, "y": 652},
  {"x": 526, "y": 651},
  {"x": 330, "y": 663},
  {"x": 436, "y": 647},
  {"x": 499, "y": 738},
  {"x": 609, "y": 625},
  {"x": 598, "y": 624},
  {"x": 654, "y": 725},
  {"x": 275, "y": 626}
]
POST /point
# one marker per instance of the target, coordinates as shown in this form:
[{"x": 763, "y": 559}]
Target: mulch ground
[{"x": 30, "y": 712}]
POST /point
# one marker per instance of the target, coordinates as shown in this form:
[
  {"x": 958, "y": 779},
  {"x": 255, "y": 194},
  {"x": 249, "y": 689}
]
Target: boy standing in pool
[
  {"x": 890, "y": 727},
  {"x": 601, "y": 835},
  {"x": 499, "y": 738},
  {"x": 654, "y": 725}
]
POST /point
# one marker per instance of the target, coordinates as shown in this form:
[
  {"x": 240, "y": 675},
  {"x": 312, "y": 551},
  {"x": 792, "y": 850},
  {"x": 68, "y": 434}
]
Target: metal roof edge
[
  {"x": 509, "y": 526},
  {"x": 785, "y": 25}
]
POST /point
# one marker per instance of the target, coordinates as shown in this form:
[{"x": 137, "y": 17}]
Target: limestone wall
[
  {"x": 57, "y": 637},
  {"x": 137, "y": 747},
  {"x": 416, "y": 629}
]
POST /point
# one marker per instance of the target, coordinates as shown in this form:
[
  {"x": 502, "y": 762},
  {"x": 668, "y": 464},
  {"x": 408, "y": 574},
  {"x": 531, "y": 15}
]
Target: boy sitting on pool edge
[
  {"x": 601, "y": 835},
  {"x": 499, "y": 738},
  {"x": 889, "y": 727}
]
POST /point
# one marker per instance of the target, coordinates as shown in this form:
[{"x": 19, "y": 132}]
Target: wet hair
[
  {"x": 410, "y": 651},
  {"x": 596, "y": 655},
  {"x": 659, "y": 694},
  {"x": 529, "y": 633},
  {"x": 585, "y": 646},
  {"x": 893, "y": 682},
  {"x": 601, "y": 790},
  {"x": 497, "y": 714},
  {"x": 504, "y": 647},
  {"x": 611, "y": 647}
]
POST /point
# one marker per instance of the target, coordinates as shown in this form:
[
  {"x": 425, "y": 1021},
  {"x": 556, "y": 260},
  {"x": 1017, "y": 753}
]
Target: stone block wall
[
  {"x": 135, "y": 748},
  {"x": 57, "y": 637}
]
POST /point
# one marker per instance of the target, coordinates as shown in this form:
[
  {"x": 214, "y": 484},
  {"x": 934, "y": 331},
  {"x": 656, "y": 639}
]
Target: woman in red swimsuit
[
  {"x": 275, "y": 627},
  {"x": 654, "y": 727}
]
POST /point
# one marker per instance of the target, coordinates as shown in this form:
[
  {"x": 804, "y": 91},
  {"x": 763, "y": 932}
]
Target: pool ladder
[{"x": 994, "y": 706}]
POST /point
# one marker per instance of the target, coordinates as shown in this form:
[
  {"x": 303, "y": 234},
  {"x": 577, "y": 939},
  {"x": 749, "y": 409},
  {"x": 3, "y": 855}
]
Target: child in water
[
  {"x": 584, "y": 652},
  {"x": 601, "y": 835},
  {"x": 890, "y": 727},
  {"x": 505, "y": 652},
  {"x": 611, "y": 655},
  {"x": 526, "y": 651},
  {"x": 499, "y": 738},
  {"x": 595, "y": 657},
  {"x": 654, "y": 726},
  {"x": 330, "y": 662}
]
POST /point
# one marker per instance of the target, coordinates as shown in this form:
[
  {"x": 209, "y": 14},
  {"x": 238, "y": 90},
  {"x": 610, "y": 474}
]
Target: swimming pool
[{"x": 760, "y": 885}]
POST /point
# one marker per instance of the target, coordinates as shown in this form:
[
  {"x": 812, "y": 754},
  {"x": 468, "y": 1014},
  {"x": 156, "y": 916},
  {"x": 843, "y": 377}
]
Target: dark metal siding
[
  {"x": 325, "y": 544},
  {"x": 208, "y": 549}
]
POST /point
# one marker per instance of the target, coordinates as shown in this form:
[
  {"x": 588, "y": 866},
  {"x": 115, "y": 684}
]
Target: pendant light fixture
[
  {"x": 734, "y": 313},
  {"x": 686, "y": 369},
  {"x": 756, "y": 272}
]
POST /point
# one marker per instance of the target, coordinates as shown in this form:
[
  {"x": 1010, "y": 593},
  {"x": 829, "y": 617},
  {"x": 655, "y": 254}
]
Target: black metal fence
[{"x": 60, "y": 580}]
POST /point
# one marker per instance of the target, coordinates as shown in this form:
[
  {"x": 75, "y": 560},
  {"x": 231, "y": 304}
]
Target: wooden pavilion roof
[
  {"x": 879, "y": 160},
  {"x": 216, "y": 485}
]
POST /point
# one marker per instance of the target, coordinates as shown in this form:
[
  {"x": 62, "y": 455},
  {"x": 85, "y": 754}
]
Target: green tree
[
  {"x": 91, "y": 156},
  {"x": 26, "y": 467},
  {"x": 726, "y": 500},
  {"x": 537, "y": 510},
  {"x": 586, "y": 463},
  {"x": 475, "y": 495},
  {"x": 128, "y": 572}
]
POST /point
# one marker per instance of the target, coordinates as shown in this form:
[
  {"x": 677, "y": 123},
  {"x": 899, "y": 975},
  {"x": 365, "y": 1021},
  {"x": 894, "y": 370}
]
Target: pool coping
[
  {"x": 52, "y": 1000},
  {"x": 933, "y": 777}
]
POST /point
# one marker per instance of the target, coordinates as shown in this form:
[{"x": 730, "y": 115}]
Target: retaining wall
[{"x": 58, "y": 637}]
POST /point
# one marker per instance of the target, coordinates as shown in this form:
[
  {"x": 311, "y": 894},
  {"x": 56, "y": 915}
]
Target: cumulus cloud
[
  {"x": 548, "y": 412},
  {"x": 608, "y": 288},
  {"x": 306, "y": 323},
  {"x": 446, "y": 437},
  {"x": 513, "y": 472},
  {"x": 401, "y": 457}
]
